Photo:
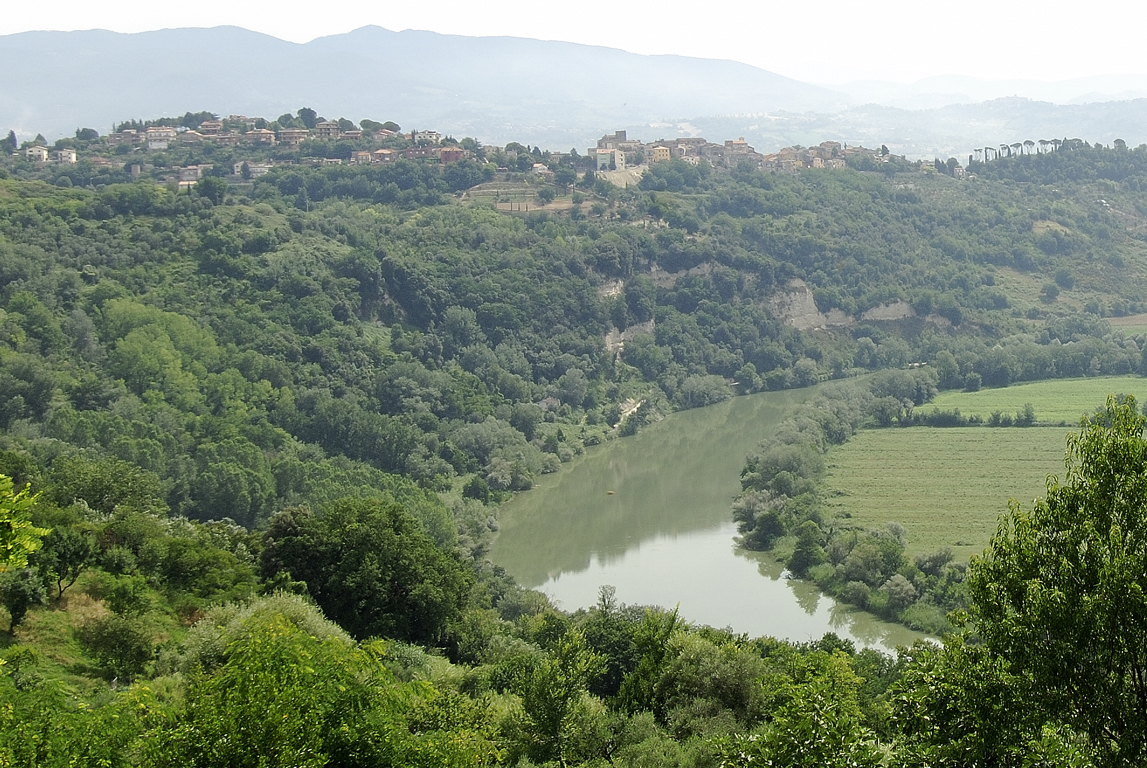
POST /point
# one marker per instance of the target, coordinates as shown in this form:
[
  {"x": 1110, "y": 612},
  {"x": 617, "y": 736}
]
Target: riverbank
[{"x": 664, "y": 536}]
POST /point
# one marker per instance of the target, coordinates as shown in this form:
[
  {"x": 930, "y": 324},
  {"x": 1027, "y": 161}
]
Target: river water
[{"x": 664, "y": 535}]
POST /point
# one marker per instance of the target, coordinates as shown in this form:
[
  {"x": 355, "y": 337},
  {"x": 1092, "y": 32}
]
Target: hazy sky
[{"x": 830, "y": 41}]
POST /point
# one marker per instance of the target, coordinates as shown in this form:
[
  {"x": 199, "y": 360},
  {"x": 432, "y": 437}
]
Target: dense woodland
[{"x": 269, "y": 425}]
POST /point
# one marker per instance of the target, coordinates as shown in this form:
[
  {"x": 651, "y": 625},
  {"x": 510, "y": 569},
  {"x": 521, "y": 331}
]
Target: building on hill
[
  {"x": 66, "y": 156},
  {"x": 425, "y": 137},
  {"x": 191, "y": 174},
  {"x": 659, "y": 153},
  {"x": 36, "y": 153},
  {"x": 191, "y": 137},
  {"x": 160, "y": 137},
  {"x": 351, "y": 135},
  {"x": 327, "y": 129},
  {"x": 612, "y": 140},
  {"x": 255, "y": 169},
  {"x": 384, "y": 155},
  {"x": 451, "y": 155},
  {"x": 609, "y": 159},
  {"x": 241, "y": 120},
  {"x": 421, "y": 153},
  {"x": 260, "y": 136},
  {"x": 211, "y": 127},
  {"x": 293, "y": 137},
  {"x": 361, "y": 157},
  {"x": 226, "y": 139}
]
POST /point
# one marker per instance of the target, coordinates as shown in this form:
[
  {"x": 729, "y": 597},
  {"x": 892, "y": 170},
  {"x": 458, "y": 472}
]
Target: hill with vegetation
[{"x": 270, "y": 420}]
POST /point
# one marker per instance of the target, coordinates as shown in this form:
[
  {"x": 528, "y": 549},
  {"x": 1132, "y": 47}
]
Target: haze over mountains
[{"x": 553, "y": 94}]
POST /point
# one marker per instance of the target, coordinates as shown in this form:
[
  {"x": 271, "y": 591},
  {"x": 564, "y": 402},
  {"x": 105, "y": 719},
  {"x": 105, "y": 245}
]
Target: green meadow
[
  {"x": 947, "y": 487},
  {"x": 1055, "y": 401}
]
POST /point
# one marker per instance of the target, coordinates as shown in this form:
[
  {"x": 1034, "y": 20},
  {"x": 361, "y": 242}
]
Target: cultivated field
[
  {"x": 947, "y": 487},
  {"x": 1055, "y": 401}
]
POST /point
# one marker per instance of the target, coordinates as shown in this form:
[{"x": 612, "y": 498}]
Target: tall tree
[{"x": 1061, "y": 594}]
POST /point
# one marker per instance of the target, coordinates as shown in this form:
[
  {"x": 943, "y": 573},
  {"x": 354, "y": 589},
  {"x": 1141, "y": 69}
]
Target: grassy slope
[
  {"x": 947, "y": 487},
  {"x": 1055, "y": 401}
]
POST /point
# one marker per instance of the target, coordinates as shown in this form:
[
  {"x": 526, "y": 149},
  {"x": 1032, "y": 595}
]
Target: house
[
  {"x": 191, "y": 174},
  {"x": 65, "y": 156},
  {"x": 226, "y": 139},
  {"x": 36, "y": 154},
  {"x": 191, "y": 137},
  {"x": 427, "y": 137},
  {"x": 159, "y": 137},
  {"x": 327, "y": 130},
  {"x": 384, "y": 155},
  {"x": 211, "y": 127},
  {"x": 541, "y": 169},
  {"x": 293, "y": 137},
  {"x": 243, "y": 120},
  {"x": 351, "y": 135},
  {"x": 659, "y": 154},
  {"x": 126, "y": 136},
  {"x": 260, "y": 136},
  {"x": 451, "y": 154},
  {"x": 416, "y": 153},
  {"x": 609, "y": 159},
  {"x": 362, "y": 157},
  {"x": 255, "y": 169},
  {"x": 384, "y": 134}
]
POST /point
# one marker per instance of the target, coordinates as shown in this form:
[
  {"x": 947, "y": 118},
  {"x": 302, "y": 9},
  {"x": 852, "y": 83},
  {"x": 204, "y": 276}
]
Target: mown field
[
  {"x": 1055, "y": 401},
  {"x": 947, "y": 487}
]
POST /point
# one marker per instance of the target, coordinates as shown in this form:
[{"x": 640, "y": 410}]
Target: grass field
[
  {"x": 1055, "y": 401},
  {"x": 947, "y": 487},
  {"x": 1130, "y": 325}
]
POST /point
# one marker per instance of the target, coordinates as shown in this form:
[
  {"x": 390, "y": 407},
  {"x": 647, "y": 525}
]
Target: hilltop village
[{"x": 179, "y": 152}]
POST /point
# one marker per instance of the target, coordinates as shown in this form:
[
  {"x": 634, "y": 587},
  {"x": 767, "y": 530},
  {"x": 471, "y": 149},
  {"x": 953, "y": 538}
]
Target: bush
[
  {"x": 122, "y": 646},
  {"x": 19, "y": 592}
]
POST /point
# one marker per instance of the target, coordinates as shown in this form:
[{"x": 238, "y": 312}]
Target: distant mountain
[
  {"x": 953, "y": 130},
  {"x": 946, "y": 90},
  {"x": 493, "y": 88},
  {"x": 554, "y": 94}
]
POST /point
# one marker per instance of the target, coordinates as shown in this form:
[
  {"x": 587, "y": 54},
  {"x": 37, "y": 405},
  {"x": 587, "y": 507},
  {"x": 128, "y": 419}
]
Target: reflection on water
[
  {"x": 664, "y": 537},
  {"x": 715, "y": 583}
]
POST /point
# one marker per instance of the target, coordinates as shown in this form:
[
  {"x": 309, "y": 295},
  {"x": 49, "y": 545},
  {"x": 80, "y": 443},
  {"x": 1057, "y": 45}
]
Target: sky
[{"x": 830, "y": 41}]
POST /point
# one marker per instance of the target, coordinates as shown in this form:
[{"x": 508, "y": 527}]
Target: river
[{"x": 664, "y": 535}]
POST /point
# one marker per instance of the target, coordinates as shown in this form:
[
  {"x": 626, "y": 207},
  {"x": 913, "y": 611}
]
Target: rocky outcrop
[
  {"x": 897, "y": 310},
  {"x": 797, "y": 307},
  {"x": 615, "y": 339}
]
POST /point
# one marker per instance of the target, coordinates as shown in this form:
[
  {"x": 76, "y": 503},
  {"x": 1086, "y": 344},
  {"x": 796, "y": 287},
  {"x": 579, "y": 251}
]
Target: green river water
[{"x": 665, "y": 535}]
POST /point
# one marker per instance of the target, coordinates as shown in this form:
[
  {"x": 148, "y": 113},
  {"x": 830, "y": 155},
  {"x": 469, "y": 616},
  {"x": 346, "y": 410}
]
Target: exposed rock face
[
  {"x": 615, "y": 339},
  {"x": 897, "y": 310},
  {"x": 612, "y": 288},
  {"x": 797, "y": 307}
]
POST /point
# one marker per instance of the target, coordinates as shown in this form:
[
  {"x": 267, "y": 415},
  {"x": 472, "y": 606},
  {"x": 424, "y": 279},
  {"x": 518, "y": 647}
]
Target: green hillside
[{"x": 270, "y": 421}]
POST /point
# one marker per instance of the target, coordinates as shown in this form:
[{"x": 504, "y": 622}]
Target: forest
[{"x": 257, "y": 436}]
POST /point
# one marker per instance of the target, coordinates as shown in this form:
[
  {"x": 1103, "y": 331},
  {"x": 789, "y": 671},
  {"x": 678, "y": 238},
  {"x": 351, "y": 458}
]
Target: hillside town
[
  {"x": 616, "y": 151},
  {"x": 182, "y": 151}
]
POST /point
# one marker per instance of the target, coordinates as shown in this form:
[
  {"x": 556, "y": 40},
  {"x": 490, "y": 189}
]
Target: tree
[
  {"x": 213, "y": 188},
  {"x": 13, "y": 143},
  {"x": 371, "y": 568},
  {"x": 20, "y": 591},
  {"x": 66, "y": 554},
  {"x": 550, "y": 697},
  {"x": 18, "y": 537},
  {"x": 308, "y": 116},
  {"x": 1061, "y": 594}
]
